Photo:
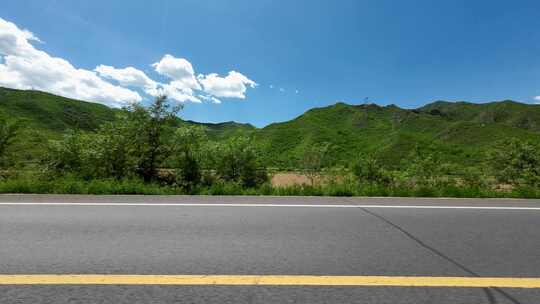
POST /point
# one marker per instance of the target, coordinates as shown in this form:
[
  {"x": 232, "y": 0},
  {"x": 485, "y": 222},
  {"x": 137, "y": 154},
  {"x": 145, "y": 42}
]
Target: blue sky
[{"x": 319, "y": 52}]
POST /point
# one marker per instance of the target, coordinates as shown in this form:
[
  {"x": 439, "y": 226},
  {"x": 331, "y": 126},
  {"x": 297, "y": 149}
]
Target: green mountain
[
  {"x": 53, "y": 113},
  {"x": 462, "y": 132},
  {"x": 507, "y": 112},
  {"x": 223, "y": 130},
  {"x": 43, "y": 116}
]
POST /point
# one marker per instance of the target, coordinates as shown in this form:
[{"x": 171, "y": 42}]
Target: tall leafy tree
[
  {"x": 186, "y": 157},
  {"x": 238, "y": 160},
  {"x": 148, "y": 127}
]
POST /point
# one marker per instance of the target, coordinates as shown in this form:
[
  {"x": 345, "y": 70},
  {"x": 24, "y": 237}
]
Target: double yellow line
[{"x": 274, "y": 280}]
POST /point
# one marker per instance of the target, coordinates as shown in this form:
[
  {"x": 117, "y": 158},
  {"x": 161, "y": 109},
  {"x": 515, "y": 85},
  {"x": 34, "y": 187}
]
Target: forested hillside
[{"x": 461, "y": 132}]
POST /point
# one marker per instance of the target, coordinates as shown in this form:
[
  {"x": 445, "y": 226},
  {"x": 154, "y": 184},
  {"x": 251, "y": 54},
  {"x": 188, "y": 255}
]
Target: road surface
[{"x": 274, "y": 247}]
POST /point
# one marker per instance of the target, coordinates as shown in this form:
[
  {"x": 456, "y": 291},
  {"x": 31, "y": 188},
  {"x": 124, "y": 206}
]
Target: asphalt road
[{"x": 378, "y": 237}]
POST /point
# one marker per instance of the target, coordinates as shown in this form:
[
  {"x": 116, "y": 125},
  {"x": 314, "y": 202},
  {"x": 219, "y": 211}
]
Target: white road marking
[{"x": 269, "y": 205}]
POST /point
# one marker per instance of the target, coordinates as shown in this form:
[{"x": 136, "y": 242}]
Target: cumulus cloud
[
  {"x": 25, "y": 67},
  {"x": 129, "y": 76},
  {"x": 183, "y": 85},
  {"x": 179, "y": 70},
  {"x": 176, "y": 90},
  {"x": 234, "y": 85},
  {"x": 537, "y": 98}
]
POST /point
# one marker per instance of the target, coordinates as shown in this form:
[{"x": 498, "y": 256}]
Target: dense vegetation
[{"x": 57, "y": 145}]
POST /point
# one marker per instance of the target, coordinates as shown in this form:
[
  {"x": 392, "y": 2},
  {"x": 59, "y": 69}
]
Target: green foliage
[
  {"x": 69, "y": 155},
  {"x": 437, "y": 150},
  {"x": 463, "y": 132},
  {"x": 134, "y": 144},
  {"x": 424, "y": 167},
  {"x": 8, "y": 131},
  {"x": 474, "y": 178},
  {"x": 148, "y": 127},
  {"x": 33, "y": 182},
  {"x": 70, "y": 184},
  {"x": 313, "y": 160},
  {"x": 237, "y": 160},
  {"x": 113, "y": 145},
  {"x": 187, "y": 155},
  {"x": 517, "y": 162},
  {"x": 369, "y": 170},
  {"x": 44, "y": 111}
]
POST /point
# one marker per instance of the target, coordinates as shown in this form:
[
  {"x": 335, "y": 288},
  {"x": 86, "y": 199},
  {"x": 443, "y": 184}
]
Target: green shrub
[
  {"x": 368, "y": 170},
  {"x": 237, "y": 160},
  {"x": 516, "y": 162}
]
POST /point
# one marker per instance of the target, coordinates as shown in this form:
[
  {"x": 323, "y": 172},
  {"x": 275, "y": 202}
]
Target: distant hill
[
  {"x": 224, "y": 130},
  {"x": 45, "y": 116},
  {"x": 507, "y": 112},
  {"x": 462, "y": 132},
  {"x": 50, "y": 112}
]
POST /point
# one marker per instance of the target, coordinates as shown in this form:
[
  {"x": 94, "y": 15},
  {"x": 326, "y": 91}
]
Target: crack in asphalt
[{"x": 489, "y": 294}]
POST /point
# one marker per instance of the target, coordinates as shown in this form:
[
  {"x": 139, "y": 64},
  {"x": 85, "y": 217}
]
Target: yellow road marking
[{"x": 298, "y": 280}]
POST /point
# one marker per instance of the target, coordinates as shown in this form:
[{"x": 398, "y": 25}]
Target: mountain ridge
[{"x": 461, "y": 131}]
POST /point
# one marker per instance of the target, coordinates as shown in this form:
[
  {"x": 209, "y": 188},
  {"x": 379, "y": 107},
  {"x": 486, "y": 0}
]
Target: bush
[
  {"x": 186, "y": 156},
  {"x": 237, "y": 160},
  {"x": 313, "y": 160},
  {"x": 425, "y": 167},
  {"x": 368, "y": 170},
  {"x": 133, "y": 145},
  {"x": 8, "y": 132},
  {"x": 516, "y": 162},
  {"x": 473, "y": 178}
]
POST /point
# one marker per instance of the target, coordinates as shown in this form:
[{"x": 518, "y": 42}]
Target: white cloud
[
  {"x": 537, "y": 98},
  {"x": 181, "y": 90},
  {"x": 211, "y": 98},
  {"x": 234, "y": 85},
  {"x": 215, "y": 100},
  {"x": 176, "y": 90},
  {"x": 178, "y": 69},
  {"x": 25, "y": 67},
  {"x": 22, "y": 66},
  {"x": 129, "y": 76}
]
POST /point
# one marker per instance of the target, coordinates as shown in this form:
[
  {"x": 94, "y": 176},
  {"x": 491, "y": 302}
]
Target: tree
[
  {"x": 8, "y": 131},
  {"x": 238, "y": 160},
  {"x": 136, "y": 143},
  {"x": 147, "y": 127},
  {"x": 187, "y": 155},
  {"x": 516, "y": 162},
  {"x": 113, "y": 143},
  {"x": 65, "y": 155},
  {"x": 313, "y": 159}
]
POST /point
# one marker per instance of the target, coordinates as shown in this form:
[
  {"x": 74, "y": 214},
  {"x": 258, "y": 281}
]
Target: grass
[
  {"x": 30, "y": 183},
  {"x": 67, "y": 185}
]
